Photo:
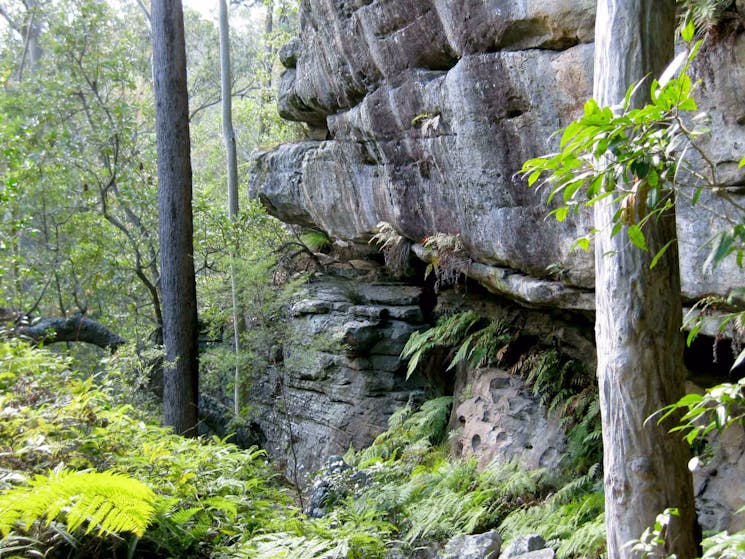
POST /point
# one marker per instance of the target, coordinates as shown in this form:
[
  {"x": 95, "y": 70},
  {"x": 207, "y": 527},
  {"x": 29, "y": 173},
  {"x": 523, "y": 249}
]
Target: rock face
[
  {"x": 718, "y": 484},
  {"x": 341, "y": 377},
  {"x": 423, "y": 111},
  {"x": 500, "y": 420},
  {"x": 431, "y": 106}
]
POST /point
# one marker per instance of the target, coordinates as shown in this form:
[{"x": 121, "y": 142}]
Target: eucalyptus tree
[
  {"x": 178, "y": 284},
  {"x": 638, "y": 307}
]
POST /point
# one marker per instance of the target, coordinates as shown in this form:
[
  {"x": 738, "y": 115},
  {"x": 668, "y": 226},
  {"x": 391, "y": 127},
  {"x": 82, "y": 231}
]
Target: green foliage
[
  {"x": 427, "y": 495},
  {"x": 717, "y": 409},
  {"x": 344, "y": 534},
  {"x": 653, "y": 542},
  {"x": 209, "y": 493},
  {"x": 575, "y": 528},
  {"x": 315, "y": 239},
  {"x": 411, "y": 435},
  {"x": 632, "y": 155},
  {"x": 567, "y": 389},
  {"x": 477, "y": 343},
  {"x": 256, "y": 242},
  {"x": 724, "y": 546},
  {"x": 109, "y": 503},
  {"x": 704, "y": 14},
  {"x": 563, "y": 385}
]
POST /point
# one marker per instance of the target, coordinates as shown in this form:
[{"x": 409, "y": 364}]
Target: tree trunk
[
  {"x": 232, "y": 174},
  {"x": 179, "y": 302},
  {"x": 266, "y": 86},
  {"x": 638, "y": 324}
]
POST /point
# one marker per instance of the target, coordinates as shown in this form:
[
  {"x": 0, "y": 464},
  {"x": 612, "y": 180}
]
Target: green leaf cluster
[
  {"x": 107, "y": 502},
  {"x": 629, "y": 154},
  {"x": 717, "y": 409},
  {"x": 575, "y": 528}
]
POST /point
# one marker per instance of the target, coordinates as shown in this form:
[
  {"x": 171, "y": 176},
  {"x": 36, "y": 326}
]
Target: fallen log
[{"x": 51, "y": 330}]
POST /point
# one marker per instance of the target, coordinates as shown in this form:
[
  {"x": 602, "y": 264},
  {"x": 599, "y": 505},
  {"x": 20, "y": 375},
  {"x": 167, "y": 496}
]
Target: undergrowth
[
  {"x": 71, "y": 459},
  {"x": 89, "y": 463},
  {"x": 415, "y": 494},
  {"x": 562, "y": 385}
]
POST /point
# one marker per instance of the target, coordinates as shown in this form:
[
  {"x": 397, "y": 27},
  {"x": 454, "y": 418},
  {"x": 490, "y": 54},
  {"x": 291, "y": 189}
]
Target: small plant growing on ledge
[
  {"x": 448, "y": 259},
  {"x": 395, "y": 248}
]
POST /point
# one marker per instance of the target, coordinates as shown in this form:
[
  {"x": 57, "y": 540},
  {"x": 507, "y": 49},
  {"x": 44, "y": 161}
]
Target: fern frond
[
  {"x": 476, "y": 346},
  {"x": 108, "y": 502},
  {"x": 704, "y": 13}
]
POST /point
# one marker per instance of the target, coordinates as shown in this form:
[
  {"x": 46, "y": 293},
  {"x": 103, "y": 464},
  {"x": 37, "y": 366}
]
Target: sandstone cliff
[
  {"x": 427, "y": 109},
  {"x": 422, "y": 112}
]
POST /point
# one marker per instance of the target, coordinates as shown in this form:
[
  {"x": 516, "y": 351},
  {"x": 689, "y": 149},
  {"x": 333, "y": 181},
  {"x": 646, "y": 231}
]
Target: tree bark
[
  {"x": 231, "y": 164},
  {"x": 178, "y": 288},
  {"x": 266, "y": 85},
  {"x": 638, "y": 312}
]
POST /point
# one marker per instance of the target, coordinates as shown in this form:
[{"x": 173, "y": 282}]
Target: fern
[
  {"x": 576, "y": 529},
  {"x": 108, "y": 502},
  {"x": 315, "y": 240},
  {"x": 410, "y": 434},
  {"x": 476, "y": 346},
  {"x": 724, "y": 546},
  {"x": 483, "y": 346},
  {"x": 568, "y": 391},
  {"x": 395, "y": 248},
  {"x": 448, "y": 258},
  {"x": 704, "y": 13}
]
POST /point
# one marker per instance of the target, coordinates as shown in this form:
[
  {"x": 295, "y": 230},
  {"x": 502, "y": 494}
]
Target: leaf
[
  {"x": 637, "y": 237},
  {"x": 688, "y": 31},
  {"x": 534, "y": 176},
  {"x": 724, "y": 242},
  {"x": 693, "y": 333},
  {"x": 560, "y": 213},
  {"x": 591, "y": 107},
  {"x": 109, "y": 502},
  {"x": 696, "y": 195},
  {"x": 741, "y": 163},
  {"x": 660, "y": 254},
  {"x": 583, "y": 243},
  {"x": 739, "y": 361}
]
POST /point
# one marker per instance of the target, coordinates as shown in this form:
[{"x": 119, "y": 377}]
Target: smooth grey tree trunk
[
  {"x": 266, "y": 86},
  {"x": 638, "y": 324},
  {"x": 180, "y": 331},
  {"x": 231, "y": 164}
]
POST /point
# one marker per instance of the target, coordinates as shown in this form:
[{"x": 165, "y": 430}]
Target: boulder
[
  {"x": 501, "y": 421},
  {"x": 522, "y": 545},
  {"x": 477, "y": 546}
]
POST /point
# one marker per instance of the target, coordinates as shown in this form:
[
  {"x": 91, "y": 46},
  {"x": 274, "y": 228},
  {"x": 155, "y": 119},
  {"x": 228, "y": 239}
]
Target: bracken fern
[{"x": 107, "y": 502}]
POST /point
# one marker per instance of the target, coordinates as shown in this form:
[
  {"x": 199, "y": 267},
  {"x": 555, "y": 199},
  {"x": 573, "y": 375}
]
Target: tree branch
[{"x": 51, "y": 330}]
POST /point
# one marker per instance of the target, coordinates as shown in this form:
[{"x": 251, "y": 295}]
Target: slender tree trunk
[
  {"x": 266, "y": 86},
  {"x": 640, "y": 346},
  {"x": 178, "y": 288},
  {"x": 232, "y": 174}
]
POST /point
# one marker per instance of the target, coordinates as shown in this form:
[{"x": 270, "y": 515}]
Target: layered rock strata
[
  {"x": 340, "y": 375},
  {"x": 431, "y": 106}
]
